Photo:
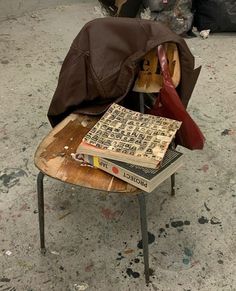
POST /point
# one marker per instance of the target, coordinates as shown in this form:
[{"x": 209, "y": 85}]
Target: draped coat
[{"x": 103, "y": 61}]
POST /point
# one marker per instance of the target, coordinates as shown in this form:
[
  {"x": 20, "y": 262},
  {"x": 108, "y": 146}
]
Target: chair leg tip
[{"x": 43, "y": 251}]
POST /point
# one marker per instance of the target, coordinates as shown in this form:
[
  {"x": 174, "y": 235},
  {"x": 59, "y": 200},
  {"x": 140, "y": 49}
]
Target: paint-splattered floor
[{"x": 93, "y": 238}]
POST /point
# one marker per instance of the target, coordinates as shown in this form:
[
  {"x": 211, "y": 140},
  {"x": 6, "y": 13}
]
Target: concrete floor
[{"x": 92, "y": 237}]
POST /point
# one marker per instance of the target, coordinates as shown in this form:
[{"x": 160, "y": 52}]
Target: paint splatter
[
  {"x": 186, "y": 222},
  {"x": 79, "y": 287},
  {"x": 151, "y": 239},
  {"x": 188, "y": 253},
  {"x": 203, "y": 220},
  {"x": 9, "y": 177},
  {"x": 179, "y": 224},
  {"x": 151, "y": 272},
  {"x": 131, "y": 273},
  {"x": 128, "y": 251},
  {"x": 162, "y": 232},
  {"x": 228, "y": 132},
  {"x": 120, "y": 257},
  {"x": 176, "y": 224},
  {"x": 109, "y": 214},
  {"x": 215, "y": 220},
  {"x": 5, "y": 280},
  {"x": 24, "y": 207},
  {"x": 89, "y": 267},
  {"x": 4, "y": 62},
  {"x": 43, "y": 124},
  {"x": 205, "y": 168},
  {"x": 207, "y": 208},
  {"x": 186, "y": 261}
]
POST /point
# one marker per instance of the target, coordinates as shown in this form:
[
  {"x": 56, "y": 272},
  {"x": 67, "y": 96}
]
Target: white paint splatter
[{"x": 81, "y": 287}]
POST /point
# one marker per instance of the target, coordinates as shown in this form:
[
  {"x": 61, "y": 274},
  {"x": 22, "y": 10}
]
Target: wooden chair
[
  {"x": 53, "y": 158},
  {"x": 149, "y": 79}
]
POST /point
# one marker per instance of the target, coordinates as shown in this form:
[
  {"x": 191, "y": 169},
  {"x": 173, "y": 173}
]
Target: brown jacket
[{"x": 103, "y": 61}]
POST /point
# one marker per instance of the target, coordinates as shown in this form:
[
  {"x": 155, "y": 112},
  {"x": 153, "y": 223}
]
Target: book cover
[
  {"x": 125, "y": 135},
  {"x": 144, "y": 178}
]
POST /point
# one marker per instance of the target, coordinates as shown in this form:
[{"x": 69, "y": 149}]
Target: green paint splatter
[
  {"x": 186, "y": 261},
  {"x": 188, "y": 252}
]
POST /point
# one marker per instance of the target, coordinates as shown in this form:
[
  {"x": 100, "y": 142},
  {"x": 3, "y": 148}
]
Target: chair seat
[{"x": 53, "y": 157}]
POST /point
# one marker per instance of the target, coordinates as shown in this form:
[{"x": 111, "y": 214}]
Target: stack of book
[{"x": 132, "y": 146}]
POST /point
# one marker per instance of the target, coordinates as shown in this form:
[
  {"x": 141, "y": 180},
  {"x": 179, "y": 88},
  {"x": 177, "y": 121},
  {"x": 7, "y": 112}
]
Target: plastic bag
[
  {"x": 216, "y": 15},
  {"x": 176, "y": 14}
]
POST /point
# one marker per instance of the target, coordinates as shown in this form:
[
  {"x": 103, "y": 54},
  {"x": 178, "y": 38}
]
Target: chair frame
[{"x": 142, "y": 199}]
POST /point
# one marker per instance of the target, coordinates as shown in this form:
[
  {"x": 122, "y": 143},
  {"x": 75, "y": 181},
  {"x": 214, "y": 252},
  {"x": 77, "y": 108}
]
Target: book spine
[{"x": 118, "y": 172}]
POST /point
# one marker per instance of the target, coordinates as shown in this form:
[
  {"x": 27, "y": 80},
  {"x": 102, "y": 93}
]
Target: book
[
  {"x": 129, "y": 136},
  {"x": 146, "y": 179}
]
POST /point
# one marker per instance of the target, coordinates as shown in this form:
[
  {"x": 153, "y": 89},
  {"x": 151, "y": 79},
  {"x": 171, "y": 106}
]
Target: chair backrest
[{"x": 149, "y": 79}]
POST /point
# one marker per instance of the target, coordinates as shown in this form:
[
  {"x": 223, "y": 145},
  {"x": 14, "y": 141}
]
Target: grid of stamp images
[{"x": 132, "y": 133}]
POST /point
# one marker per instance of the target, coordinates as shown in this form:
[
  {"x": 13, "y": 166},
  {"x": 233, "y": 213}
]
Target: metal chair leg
[
  {"x": 141, "y": 102},
  {"x": 41, "y": 210},
  {"x": 173, "y": 184},
  {"x": 144, "y": 231}
]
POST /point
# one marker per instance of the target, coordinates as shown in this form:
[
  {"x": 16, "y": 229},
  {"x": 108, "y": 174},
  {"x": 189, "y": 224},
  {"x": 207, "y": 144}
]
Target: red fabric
[{"x": 168, "y": 104}]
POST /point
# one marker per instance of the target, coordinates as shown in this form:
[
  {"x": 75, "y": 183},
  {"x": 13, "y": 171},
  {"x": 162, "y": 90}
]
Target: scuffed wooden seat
[{"x": 53, "y": 157}]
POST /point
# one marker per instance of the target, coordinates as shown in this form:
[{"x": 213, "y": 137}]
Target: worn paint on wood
[{"x": 53, "y": 157}]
